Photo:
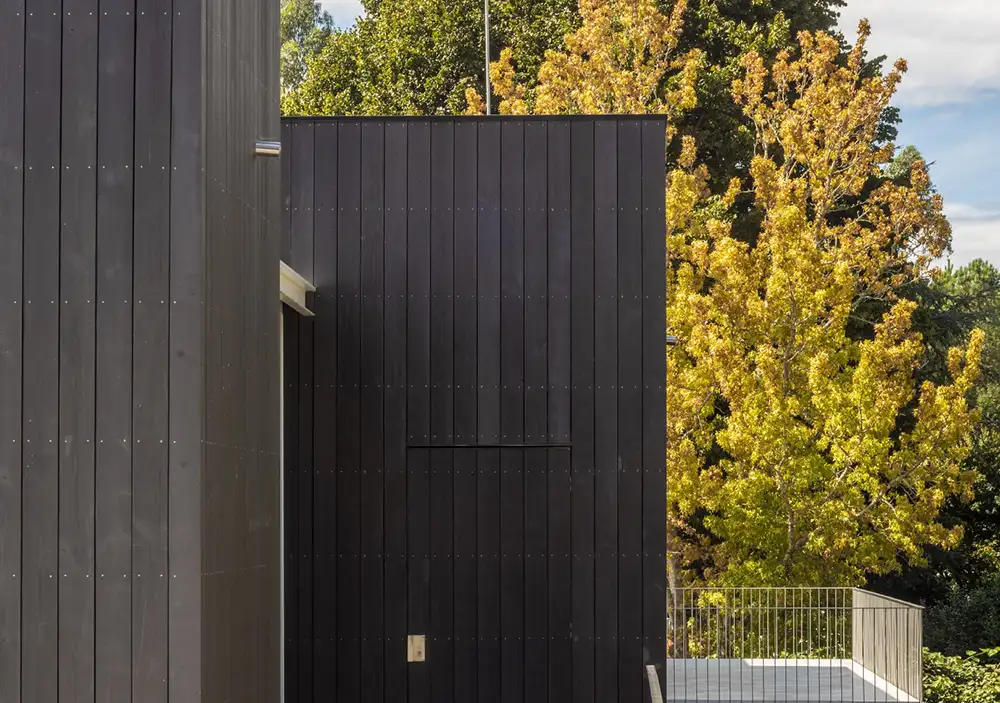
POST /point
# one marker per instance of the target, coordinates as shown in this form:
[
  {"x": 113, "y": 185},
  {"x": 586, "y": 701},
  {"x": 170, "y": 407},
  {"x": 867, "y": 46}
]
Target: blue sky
[
  {"x": 343, "y": 11},
  {"x": 950, "y": 101}
]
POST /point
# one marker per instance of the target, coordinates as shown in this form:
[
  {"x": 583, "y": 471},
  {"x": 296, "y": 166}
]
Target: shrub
[
  {"x": 965, "y": 679},
  {"x": 966, "y": 620}
]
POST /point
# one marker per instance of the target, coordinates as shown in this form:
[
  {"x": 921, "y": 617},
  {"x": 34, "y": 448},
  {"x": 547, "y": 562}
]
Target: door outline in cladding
[{"x": 524, "y": 449}]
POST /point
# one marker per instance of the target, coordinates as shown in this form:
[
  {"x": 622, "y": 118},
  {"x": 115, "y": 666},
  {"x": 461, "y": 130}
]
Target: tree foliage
[
  {"x": 622, "y": 60},
  {"x": 305, "y": 29},
  {"x": 724, "y": 30},
  {"x": 965, "y": 620},
  {"x": 951, "y": 305},
  {"x": 800, "y": 453},
  {"x": 420, "y": 56},
  {"x": 972, "y": 678}
]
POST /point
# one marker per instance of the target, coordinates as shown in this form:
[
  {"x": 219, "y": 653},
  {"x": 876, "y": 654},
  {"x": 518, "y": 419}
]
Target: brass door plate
[{"x": 416, "y": 648}]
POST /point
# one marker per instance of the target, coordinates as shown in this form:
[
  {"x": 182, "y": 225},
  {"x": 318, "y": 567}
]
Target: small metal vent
[{"x": 267, "y": 148}]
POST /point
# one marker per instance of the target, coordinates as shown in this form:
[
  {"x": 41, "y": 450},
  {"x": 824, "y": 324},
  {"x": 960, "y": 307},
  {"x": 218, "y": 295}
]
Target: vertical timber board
[
  {"x": 77, "y": 349},
  {"x": 488, "y": 425},
  {"x": 442, "y": 416},
  {"x": 12, "y": 35},
  {"x": 293, "y": 642},
  {"x": 287, "y": 154},
  {"x": 488, "y": 561},
  {"x": 325, "y": 409},
  {"x": 654, "y": 373},
  {"x": 465, "y": 404},
  {"x": 606, "y": 403},
  {"x": 512, "y": 411},
  {"x": 214, "y": 477},
  {"x": 372, "y": 445},
  {"x": 535, "y": 411},
  {"x": 564, "y": 138},
  {"x": 253, "y": 610},
  {"x": 305, "y": 515},
  {"x": 348, "y": 410},
  {"x": 630, "y": 669},
  {"x": 586, "y": 659},
  {"x": 186, "y": 351},
  {"x": 488, "y": 229},
  {"x": 222, "y": 386},
  {"x": 465, "y": 282},
  {"x": 418, "y": 253},
  {"x": 303, "y": 147},
  {"x": 560, "y": 576},
  {"x": 394, "y": 417},
  {"x": 113, "y": 487},
  {"x": 268, "y": 64},
  {"x": 260, "y": 406},
  {"x": 263, "y": 440},
  {"x": 442, "y": 175},
  {"x": 150, "y": 351},
  {"x": 40, "y": 477}
]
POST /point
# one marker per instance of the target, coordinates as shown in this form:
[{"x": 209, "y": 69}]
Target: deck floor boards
[{"x": 721, "y": 680}]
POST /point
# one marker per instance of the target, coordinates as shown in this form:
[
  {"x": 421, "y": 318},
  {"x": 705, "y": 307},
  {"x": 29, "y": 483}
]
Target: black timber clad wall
[
  {"x": 241, "y": 557},
  {"x": 475, "y": 419},
  {"x": 109, "y": 260}
]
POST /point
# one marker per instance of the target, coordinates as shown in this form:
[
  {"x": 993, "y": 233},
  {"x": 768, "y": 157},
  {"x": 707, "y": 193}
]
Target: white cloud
[
  {"x": 951, "y": 45},
  {"x": 975, "y": 233},
  {"x": 343, "y": 12}
]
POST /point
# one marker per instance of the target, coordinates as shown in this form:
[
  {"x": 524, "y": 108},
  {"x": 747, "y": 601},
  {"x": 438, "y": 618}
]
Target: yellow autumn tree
[
  {"x": 800, "y": 449},
  {"x": 622, "y": 60},
  {"x": 809, "y": 454}
]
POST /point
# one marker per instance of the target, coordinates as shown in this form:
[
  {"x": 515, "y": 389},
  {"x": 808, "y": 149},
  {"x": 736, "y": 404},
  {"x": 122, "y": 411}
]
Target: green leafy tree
[
  {"x": 420, "y": 56},
  {"x": 305, "y": 28},
  {"x": 965, "y": 620},
  {"x": 724, "y": 30}
]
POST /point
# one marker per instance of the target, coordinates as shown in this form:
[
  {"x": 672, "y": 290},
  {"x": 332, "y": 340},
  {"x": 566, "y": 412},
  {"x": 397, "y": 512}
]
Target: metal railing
[{"x": 791, "y": 644}]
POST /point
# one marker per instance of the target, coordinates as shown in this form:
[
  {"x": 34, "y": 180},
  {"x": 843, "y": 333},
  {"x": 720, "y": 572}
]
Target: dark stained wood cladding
[
  {"x": 477, "y": 448},
  {"x": 138, "y": 351},
  {"x": 241, "y": 550}
]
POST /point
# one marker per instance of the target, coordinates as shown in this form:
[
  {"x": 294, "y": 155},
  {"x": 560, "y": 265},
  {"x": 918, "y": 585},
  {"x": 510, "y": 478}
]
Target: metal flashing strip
[
  {"x": 293, "y": 288},
  {"x": 267, "y": 147}
]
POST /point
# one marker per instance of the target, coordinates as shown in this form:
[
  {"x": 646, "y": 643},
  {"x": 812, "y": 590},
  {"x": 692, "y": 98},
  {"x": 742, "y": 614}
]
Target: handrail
[{"x": 876, "y": 638}]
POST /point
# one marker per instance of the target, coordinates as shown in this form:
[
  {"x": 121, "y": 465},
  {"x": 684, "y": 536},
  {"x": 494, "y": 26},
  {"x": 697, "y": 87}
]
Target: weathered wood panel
[
  {"x": 348, "y": 287},
  {"x": 150, "y": 357},
  {"x": 536, "y": 426},
  {"x": 77, "y": 349},
  {"x": 113, "y": 480},
  {"x": 372, "y": 409},
  {"x": 465, "y": 360},
  {"x": 440, "y": 629},
  {"x": 560, "y": 525},
  {"x": 40, "y": 345},
  {"x": 240, "y": 557},
  {"x": 394, "y": 417},
  {"x": 12, "y": 55},
  {"x": 136, "y": 229},
  {"x": 325, "y": 418}
]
